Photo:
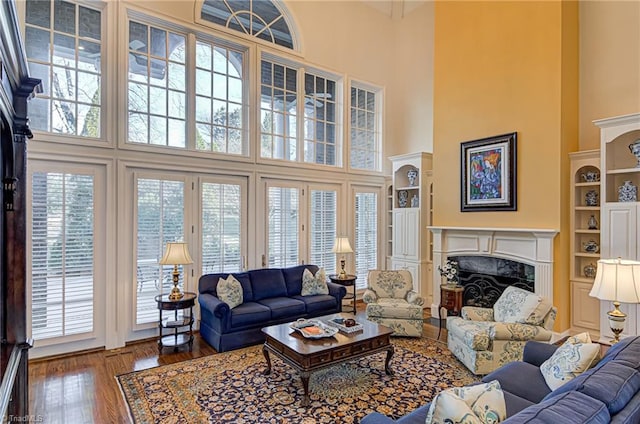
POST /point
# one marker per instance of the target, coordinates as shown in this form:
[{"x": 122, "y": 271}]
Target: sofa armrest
[
  {"x": 369, "y": 296},
  {"x": 518, "y": 332},
  {"x": 376, "y": 418},
  {"x": 414, "y": 298},
  {"x": 536, "y": 353},
  {"x": 475, "y": 313},
  {"x": 336, "y": 290},
  {"x": 214, "y": 305}
]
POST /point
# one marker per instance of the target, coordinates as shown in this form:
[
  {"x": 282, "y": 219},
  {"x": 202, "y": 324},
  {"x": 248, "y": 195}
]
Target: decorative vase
[
  {"x": 412, "y": 175},
  {"x": 592, "y": 223},
  {"x": 415, "y": 202},
  {"x": 589, "y": 271},
  {"x": 591, "y": 198},
  {"x": 627, "y": 192},
  {"x": 635, "y": 150},
  {"x": 591, "y": 246},
  {"x": 591, "y": 176},
  {"x": 403, "y": 197}
]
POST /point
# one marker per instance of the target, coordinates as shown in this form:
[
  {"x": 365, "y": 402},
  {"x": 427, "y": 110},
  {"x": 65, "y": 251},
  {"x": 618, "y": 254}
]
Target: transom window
[
  {"x": 63, "y": 45},
  {"x": 258, "y": 18}
]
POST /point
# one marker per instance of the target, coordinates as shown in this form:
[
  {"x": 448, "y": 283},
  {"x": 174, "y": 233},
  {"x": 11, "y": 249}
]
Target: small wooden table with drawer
[
  {"x": 308, "y": 355},
  {"x": 451, "y": 300}
]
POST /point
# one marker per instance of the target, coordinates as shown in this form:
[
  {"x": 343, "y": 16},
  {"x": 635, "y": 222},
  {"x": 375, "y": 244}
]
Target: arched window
[{"x": 263, "y": 19}]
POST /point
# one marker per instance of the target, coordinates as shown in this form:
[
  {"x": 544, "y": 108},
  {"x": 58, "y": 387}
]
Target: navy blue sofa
[
  {"x": 607, "y": 393},
  {"x": 270, "y": 296}
]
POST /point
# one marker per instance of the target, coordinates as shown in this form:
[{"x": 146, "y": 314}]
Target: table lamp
[
  {"x": 618, "y": 281},
  {"x": 342, "y": 246},
  {"x": 176, "y": 254}
]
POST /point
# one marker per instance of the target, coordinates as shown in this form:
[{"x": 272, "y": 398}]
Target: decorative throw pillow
[
  {"x": 314, "y": 284},
  {"x": 481, "y": 403},
  {"x": 515, "y": 305},
  {"x": 230, "y": 291},
  {"x": 576, "y": 355}
]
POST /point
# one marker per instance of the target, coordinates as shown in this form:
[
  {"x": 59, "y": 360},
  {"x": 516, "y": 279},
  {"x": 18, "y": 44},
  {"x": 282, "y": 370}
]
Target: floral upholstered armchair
[
  {"x": 391, "y": 301},
  {"x": 487, "y": 338}
]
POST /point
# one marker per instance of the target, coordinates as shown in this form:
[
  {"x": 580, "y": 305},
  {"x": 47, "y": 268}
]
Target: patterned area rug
[{"x": 230, "y": 387}]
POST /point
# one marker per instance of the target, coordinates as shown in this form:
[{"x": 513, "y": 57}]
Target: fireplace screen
[{"x": 484, "y": 278}]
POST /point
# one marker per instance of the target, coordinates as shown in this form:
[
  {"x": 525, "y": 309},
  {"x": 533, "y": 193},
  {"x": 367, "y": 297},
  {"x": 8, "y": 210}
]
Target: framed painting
[{"x": 489, "y": 174}]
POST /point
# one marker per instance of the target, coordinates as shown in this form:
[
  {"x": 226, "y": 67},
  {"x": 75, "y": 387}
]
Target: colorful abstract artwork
[{"x": 488, "y": 174}]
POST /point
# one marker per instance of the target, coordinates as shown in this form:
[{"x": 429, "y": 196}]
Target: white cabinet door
[
  {"x": 399, "y": 231},
  {"x": 412, "y": 234},
  {"x": 621, "y": 237}
]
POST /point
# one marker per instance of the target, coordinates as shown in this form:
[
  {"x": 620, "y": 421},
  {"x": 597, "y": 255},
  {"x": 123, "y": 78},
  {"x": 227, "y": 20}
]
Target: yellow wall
[
  {"x": 609, "y": 64},
  {"x": 503, "y": 67}
]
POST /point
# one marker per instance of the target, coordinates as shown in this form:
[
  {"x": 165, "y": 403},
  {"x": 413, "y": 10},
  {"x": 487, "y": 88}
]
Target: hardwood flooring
[{"x": 82, "y": 388}]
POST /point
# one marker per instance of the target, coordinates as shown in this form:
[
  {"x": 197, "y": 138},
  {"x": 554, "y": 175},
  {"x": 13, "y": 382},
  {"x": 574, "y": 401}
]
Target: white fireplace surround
[{"x": 531, "y": 246}]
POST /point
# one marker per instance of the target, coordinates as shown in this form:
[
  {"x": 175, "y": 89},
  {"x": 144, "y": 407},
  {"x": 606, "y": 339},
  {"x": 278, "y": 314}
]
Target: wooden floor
[{"x": 83, "y": 389}]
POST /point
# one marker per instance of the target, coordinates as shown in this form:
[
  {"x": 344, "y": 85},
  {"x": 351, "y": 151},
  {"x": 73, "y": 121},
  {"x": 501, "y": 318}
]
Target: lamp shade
[
  {"x": 617, "y": 280},
  {"x": 176, "y": 254},
  {"x": 341, "y": 245}
]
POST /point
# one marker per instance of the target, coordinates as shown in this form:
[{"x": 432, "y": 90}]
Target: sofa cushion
[
  {"x": 293, "y": 278},
  {"x": 521, "y": 379},
  {"x": 614, "y": 384},
  {"x": 249, "y": 314},
  {"x": 230, "y": 291},
  {"x": 284, "y": 307},
  {"x": 568, "y": 408},
  {"x": 267, "y": 283},
  {"x": 626, "y": 351},
  {"x": 318, "y": 303},
  {"x": 479, "y": 403},
  {"x": 208, "y": 283},
  {"x": 575, "y": 356},
  {"x": 313, "y": 284},
  {"x": 516, "y": 305}
]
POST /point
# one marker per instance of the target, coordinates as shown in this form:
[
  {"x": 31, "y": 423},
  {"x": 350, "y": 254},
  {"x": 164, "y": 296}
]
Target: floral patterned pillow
[
  {"x": 230, "y": 291},
  {"x": 314, "y": 284},
  {"x": 480, "y": 403},
  {"x": 575, "y": 356}
]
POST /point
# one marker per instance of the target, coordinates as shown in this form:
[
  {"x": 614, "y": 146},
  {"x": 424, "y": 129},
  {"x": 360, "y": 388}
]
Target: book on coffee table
[{"x": 339, "y": 324}]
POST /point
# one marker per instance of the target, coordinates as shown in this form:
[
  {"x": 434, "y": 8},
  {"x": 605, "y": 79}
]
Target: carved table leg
[
  {"x": 305, "y": 385},
  {"x": 265, "y": 352},
  {"x": 388, "y": 370}
]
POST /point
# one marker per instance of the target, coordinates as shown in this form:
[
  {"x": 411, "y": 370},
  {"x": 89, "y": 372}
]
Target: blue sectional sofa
[
  {"x": 607, "y": 393},
  {"x": 270, "y": 296}
]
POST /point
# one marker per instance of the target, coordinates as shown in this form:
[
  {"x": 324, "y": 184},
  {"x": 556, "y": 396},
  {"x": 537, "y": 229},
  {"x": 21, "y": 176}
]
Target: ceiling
[{"x": 395, "y": 9}]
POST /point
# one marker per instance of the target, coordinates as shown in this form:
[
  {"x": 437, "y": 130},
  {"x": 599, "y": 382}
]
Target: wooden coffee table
[{"x": 308, "y": 355}]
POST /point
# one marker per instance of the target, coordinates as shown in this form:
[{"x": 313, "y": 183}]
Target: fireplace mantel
[{"x": 532, "y": 246}]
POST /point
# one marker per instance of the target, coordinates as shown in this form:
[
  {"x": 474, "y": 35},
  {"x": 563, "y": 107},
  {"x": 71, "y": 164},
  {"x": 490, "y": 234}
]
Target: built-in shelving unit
[
  {"x": 585, "y": 230},
  {"x": 411, "y": 214}
]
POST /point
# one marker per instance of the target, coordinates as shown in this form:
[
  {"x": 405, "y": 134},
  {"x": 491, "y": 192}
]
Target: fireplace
[
  {"x": 494, "y": 257},
  {"x": 484, "y": 278}
]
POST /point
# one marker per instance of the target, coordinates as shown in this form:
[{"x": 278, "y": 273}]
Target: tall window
[
  {"x": 259, "y": 18},
  {"x": 365, "y": 130},
  {"x": 159, "y": 219},
  {"x": 222, "y": 227},
  {"x": 366, "y": 235},
  {"x": 323, "y": 228},
  {"x": 157, "y": 86},
  {"x": 281, "y": 103},
  {"x": 62, "y": 254},
  {"x": 63, "y": 44},
  {"x": 283, "y": 230}
]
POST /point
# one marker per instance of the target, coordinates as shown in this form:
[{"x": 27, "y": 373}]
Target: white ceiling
[{"x": 395, "y": 9}]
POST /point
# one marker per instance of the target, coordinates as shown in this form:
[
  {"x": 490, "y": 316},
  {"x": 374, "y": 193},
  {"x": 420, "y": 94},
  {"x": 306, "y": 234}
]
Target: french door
[{"x": 301, "y": 224}]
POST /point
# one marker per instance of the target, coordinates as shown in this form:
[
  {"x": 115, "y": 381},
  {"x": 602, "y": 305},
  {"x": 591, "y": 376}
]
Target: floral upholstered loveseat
[
  {"x": 484, "y": 339},
  {"x": 391, "y": 301}
]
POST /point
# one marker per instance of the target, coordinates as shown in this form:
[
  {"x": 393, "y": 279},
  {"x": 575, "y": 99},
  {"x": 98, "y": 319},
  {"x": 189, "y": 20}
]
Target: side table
[
  {"x": 350, "y": 280},
  {"x": 451, "y": 300},
  {"x": 178, "y": 337}
]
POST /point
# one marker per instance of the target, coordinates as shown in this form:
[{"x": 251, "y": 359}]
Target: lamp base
[
  {"x": 616, "y": 321},
  {"x": 175, "y": 291},
  {"x": 343, "y": 274}
]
